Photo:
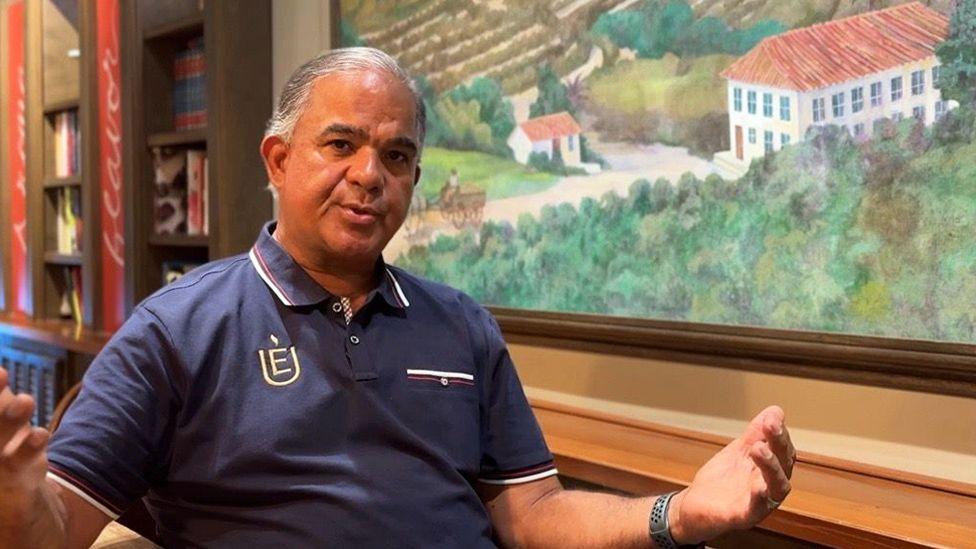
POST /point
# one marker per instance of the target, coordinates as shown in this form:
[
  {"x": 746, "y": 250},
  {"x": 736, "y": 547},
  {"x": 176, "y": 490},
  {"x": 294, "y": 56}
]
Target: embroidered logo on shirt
[{"x": 279, "y": 365}]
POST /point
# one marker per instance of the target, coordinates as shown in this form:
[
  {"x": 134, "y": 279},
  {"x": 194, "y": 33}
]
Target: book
[
  {"x": 206, "y": 195},
  {"x": 169, "y": 200},
  {"x": 195, "y": 163}
]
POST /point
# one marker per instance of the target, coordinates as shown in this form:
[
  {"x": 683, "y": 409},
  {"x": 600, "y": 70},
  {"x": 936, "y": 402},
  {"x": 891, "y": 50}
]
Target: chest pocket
[{"x": 443, "y": 407}]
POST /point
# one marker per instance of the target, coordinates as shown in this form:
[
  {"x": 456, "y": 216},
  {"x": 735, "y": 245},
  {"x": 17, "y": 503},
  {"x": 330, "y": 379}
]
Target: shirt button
[
  {"x": 444, "y": 381},
  {"x": 337, "y": 307},
  {"x": 354, "y": 340}
]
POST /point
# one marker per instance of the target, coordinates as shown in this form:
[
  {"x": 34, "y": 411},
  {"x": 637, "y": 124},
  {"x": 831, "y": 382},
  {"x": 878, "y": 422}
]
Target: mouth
[{"x": 360, "y": 213}]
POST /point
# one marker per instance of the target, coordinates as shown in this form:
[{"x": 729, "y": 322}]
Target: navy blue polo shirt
[{"x": 244, "y": 407}]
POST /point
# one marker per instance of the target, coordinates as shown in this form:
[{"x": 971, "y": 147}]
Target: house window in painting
[
  {"x": 876, "y": 94},
  {"x": 940, "y": 109},
  {"x": 837, "y": 103},
  {"x": 818, "y": 110},
  {"x": 857, "y": 99},
  {"x": 896, "y": 88},
  {"x": 737, "y": 99},
  {"x": 784, "y": 108},
  {"x": 752, "y": 136},
  {"x": 918, "y": 82},
  {"x": 768, "y": 105},
  {"x": 784, "y": 139},
  {"x": 751, "y": 102},
  {"x": 859, "y": 129},
  {"x": 768, "y": 141},
  {"x": 918, "y": 113},
  {"x": 569, "y": 142},
  {"x": 897, "y": 116},
  {"x": 936, "y": 73}
]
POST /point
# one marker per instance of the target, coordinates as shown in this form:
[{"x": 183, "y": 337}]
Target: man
[{"x": 306, "y": 394}]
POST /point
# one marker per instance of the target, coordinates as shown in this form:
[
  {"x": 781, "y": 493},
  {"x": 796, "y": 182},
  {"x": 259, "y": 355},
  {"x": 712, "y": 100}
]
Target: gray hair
[{"x": 294, "y": 96}]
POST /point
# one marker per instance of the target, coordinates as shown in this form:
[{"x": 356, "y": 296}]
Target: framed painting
[{"x": 782, "y": 186}]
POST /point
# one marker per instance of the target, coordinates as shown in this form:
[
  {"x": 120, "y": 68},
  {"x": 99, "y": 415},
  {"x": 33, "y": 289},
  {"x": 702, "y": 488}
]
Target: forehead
[{"x": 363, "y": 98}]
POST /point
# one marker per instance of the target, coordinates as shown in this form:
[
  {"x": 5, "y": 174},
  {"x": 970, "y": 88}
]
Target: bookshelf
[
  {"x": 59, "y": 135},
  {"x": 166, "y": 43}
]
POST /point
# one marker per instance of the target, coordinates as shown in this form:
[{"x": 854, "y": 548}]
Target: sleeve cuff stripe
[
  {"x": 518, "y": 473},
  {"x": 520, "y": 480},
  {"x": 82, "y": 491}
]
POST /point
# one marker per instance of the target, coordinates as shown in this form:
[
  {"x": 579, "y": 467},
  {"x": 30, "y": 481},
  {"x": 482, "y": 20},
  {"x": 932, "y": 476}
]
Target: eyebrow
[{"x": 361, "y": 133}]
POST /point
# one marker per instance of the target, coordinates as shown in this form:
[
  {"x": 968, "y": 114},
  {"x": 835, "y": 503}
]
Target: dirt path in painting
[{"x": 628, "y": 163}]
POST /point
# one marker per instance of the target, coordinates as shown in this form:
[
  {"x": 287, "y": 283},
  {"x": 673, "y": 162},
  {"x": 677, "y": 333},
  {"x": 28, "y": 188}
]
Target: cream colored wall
[{"x": 917, "y": 432}]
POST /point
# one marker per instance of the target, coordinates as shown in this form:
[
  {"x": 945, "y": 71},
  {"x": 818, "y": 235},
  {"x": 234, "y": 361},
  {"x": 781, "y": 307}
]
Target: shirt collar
[{"x": 295, "y": 288}]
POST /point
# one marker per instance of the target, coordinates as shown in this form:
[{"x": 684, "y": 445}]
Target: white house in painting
[
  {"x": 850, "y": 72},
  {"x": 547, "y": 134}
]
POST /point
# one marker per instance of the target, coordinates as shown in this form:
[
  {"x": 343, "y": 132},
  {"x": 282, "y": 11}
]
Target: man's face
[{"x": 346, "y": 179}]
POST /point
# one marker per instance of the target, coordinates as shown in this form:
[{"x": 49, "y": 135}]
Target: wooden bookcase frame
[
  {"x": 44, "y": 262},
  {"x": 237, "y": 46}
]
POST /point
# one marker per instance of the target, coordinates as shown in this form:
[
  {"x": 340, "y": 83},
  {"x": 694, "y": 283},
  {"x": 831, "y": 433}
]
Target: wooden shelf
[
  {"x": 58, "y": 182},
  {"x": 182, "y": 137},
  {"x": 180, "y": 240},
  {"x": 61, "y": 333},
  {"x": 59, "y": 106},
  {"x": 55, "y": 258},
  {"x": 192, "y": 24},
  {"x": 834, "y": 502}
]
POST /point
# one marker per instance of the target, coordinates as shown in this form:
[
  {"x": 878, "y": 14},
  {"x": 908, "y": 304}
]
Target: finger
[
  {"x": 755, "y": 431},
  {"x": 14, "y": 415},
  {"x": 778, "y": 437},
  {"x": 30, "y": 447},
  {"x": 777, "y": 485}
]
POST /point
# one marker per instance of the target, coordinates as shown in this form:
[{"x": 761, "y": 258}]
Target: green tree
[
  {"x": 957, "y": 79},
  {"x": 493, "y": 109},
  {"x": 553, "y": 97}
]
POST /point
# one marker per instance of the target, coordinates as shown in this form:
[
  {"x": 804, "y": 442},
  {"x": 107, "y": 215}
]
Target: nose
[{"x": 366, "y": 170}]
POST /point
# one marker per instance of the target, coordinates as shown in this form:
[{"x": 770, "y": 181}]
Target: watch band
[{"x": 659, "y": 527}]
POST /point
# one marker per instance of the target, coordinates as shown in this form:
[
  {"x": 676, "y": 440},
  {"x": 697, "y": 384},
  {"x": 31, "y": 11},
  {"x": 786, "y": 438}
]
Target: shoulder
[
  {"x": 425, "y": 292},
  {"x": 206, "y": 290},
  {"x": 433, "y": 303}
]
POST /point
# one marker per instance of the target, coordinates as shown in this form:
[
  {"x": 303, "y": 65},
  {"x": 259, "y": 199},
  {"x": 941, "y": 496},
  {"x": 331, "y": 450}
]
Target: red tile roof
[
  {"x": 550, "y": 126},
  {"x": 836, "y": 51}
]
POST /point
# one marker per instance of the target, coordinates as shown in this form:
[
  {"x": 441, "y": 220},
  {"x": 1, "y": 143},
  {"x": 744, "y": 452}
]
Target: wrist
[
  {"x": 665, "y": 523},
  {"x": 675, "y": 525}
]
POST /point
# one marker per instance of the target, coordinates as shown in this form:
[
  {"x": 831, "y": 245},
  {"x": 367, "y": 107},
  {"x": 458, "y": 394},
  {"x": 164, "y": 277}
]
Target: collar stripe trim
[
  {"x": 397, "y": 290},
  {"x": 267, "y": 277},
  {"x": 68, "y": 483},
  {"x": 438, "y": 373},
  {"x": 520, "y": 480}
]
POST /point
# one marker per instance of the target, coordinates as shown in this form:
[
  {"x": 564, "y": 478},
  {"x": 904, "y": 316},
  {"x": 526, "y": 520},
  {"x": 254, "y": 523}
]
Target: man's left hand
[{"x": 740, "y": 485}]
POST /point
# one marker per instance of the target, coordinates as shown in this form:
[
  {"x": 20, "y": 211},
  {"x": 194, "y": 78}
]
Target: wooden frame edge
[{"x": 915, "y": 365}]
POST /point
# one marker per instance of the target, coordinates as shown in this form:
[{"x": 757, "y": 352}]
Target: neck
[{"x": 353, "y": 280}]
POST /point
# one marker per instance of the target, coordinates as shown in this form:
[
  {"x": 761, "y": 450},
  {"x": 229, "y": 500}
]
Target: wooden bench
[{"x": 834, "y": 502}]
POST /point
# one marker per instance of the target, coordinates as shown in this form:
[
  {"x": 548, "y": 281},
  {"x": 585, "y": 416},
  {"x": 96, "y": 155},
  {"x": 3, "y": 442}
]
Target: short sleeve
[
  {"x": 111, "y": 444},
  {"x": 513, "y": 449}
]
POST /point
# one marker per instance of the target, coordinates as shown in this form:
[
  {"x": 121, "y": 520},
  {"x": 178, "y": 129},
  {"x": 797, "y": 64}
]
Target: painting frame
[{"x": 937, "y": 367}]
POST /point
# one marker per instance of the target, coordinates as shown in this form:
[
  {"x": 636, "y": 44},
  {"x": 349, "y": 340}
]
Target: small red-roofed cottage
[
  {"x": 849, "y": 72},
  {"x": 547, "y": 134}
]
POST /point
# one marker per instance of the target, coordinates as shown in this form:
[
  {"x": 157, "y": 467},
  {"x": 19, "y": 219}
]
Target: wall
[{"x": 922, "y": 433}]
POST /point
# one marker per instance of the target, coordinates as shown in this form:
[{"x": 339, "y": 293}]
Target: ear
[
  {"x": 416, "y": 176},
  {"x": 274, "y": 151}
]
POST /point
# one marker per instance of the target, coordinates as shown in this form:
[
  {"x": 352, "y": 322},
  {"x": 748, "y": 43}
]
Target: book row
[
  {"x": 67, "y": 144},
  {"x": 190, "y": 87}
]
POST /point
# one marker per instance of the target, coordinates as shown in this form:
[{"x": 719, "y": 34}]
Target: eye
[
  {"x": 340, "y": 145},
  {"x": 399, "y": 157}
]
